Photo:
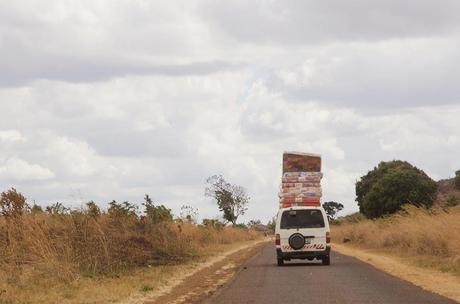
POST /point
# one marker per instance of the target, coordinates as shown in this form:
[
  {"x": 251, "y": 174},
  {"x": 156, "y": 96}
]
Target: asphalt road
[{"x": 346, "y": 280}]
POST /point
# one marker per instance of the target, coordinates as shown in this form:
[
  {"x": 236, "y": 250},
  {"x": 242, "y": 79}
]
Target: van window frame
[{"x": 283, "y": 224}]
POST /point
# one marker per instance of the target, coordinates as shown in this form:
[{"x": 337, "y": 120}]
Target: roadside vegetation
[
  {"x": 404, "y": 213},
  {"x": 42, "y": 248},
  {"x": 428, "y": 237}
]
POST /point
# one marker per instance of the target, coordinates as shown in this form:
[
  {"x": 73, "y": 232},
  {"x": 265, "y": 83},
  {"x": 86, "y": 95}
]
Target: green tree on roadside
[
  {"x": 122, "y": 210},
  {"x": 156, "y": 214},
  {"x": 92, "y": 209},
  {"x": 231, "y": 199},
  {"x": 332, "y": 208},
  {"x": 390, "y": 185}
]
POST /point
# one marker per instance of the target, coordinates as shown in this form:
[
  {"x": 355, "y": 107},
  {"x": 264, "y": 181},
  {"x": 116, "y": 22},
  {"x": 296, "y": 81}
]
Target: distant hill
[{"x": 447, "y": 194}]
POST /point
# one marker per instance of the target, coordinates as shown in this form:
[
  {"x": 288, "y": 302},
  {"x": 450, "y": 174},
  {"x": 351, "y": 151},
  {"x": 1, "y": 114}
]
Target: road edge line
[{"x": 444, "y": 284}]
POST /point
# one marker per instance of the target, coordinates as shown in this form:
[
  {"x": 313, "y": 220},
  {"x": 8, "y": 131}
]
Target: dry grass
[
  {"x": 428, "y": 237},
  {"x": 45, "y": 254}
]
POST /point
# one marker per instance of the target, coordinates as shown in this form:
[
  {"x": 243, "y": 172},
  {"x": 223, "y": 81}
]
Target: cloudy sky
[{"x": 103, "y": 100}]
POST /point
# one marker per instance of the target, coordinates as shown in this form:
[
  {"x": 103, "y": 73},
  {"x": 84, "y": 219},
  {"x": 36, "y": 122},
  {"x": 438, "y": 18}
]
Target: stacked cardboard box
[{"x": 301, "y": 181}]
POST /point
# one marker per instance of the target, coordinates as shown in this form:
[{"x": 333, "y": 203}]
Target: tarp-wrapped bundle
[
  {"x": 301, "y": 181},
  {"x": 301, "y": 162}
]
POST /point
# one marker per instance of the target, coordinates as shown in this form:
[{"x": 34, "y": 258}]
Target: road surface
[{"x": 346, "y": 280}]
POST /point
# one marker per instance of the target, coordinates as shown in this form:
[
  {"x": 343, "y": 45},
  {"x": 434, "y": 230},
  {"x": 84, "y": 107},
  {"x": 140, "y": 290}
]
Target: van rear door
[{"x": 310, "y": 223}]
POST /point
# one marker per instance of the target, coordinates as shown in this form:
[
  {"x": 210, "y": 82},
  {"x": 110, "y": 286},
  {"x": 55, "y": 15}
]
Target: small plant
[{"x": 146, "y": 288}]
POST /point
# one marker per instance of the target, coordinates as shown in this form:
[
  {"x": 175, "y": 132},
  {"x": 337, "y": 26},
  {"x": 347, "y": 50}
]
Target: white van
[{"x": 302, "y": 233}]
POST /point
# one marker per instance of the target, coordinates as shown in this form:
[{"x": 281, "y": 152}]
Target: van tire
[
  {"x": 280, "y": 262},
  {"x": 326, "y": 260}
]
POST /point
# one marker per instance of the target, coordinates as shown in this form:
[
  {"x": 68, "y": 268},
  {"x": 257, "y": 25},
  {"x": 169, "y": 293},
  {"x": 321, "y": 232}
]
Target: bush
[
  {"x": 122, "y": 210},
  {"x": 156, "y": 214},
  {"x": 92, "y": 209},
  {"x": 12, "y": 203},
  {"x": 392, "y": 184},
  {"x": 214, "y": 223}
]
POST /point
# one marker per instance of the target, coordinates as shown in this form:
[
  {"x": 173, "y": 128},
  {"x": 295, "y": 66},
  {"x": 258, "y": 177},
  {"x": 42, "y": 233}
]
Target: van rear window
[{"x": 302, "y": 219}]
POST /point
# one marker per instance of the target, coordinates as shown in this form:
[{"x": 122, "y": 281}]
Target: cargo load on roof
[
  {"x": 301, "y": 180},
  {"x": 301, "y": 162}
]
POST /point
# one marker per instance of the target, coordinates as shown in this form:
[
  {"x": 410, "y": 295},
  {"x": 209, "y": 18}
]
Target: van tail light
[
  {"x": 328, "y": 237},
  {"x": 277, "y": 239}
]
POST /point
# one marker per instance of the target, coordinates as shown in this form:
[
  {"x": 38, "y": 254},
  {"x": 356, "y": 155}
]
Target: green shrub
[
  {"x": 156, "y": 214},
  {"x": 121, "y": 210},
  {"x": 392, "y": 184}
]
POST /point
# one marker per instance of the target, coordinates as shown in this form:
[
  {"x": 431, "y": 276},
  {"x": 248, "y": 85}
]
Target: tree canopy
[
  {"x": 332, "y": 208},
  {"x": 231, "y": 199},
  {"x": 390, "y": 185}
]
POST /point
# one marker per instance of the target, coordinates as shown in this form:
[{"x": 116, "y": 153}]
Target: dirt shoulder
[
  {"x": 196, "y": 282},
  {"x": 445, "y": 284}
]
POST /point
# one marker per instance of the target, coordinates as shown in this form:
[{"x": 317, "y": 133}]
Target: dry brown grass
[
  {"x": 428, "y": 237},
  {"x": 54, "y": 253}
]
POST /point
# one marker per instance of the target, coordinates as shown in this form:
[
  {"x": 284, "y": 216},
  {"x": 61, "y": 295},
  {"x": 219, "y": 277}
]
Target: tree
[
  {"x": 122, "y": 210},
  {"x": 392, "y": 184},
  {"x": 12, "y": 203},
  {"x": 457, "y": 180},
  {"x": 156, "y": 214},
  {"x": 92, "y": 209},
  {"x": 332, "y": 208},
  {"x": 231, "y": 199},
  {"x": 188, "y": 213}
]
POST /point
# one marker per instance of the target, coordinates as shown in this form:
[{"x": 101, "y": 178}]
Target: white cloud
[
  {"x": 11, "y": 136},
  {"x": 19, "y": 170}
]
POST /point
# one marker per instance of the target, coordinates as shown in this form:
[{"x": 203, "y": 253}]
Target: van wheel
[
  {"x": 280, "y": 262},
  {"x": 326, "y": 260}
]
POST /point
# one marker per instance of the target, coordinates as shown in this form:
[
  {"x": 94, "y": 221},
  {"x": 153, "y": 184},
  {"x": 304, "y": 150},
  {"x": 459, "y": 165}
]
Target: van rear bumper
[{"x": 302, "y": 254}]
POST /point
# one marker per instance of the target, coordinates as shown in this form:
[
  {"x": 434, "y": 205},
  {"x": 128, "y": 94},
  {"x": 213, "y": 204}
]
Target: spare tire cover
[{"x": 296, "y": 241}]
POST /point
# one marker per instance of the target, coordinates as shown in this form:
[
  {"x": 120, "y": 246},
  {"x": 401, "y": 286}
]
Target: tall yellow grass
[
  {"x": 431, "y": 237},
  {"x": 67, "y": 246}
]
